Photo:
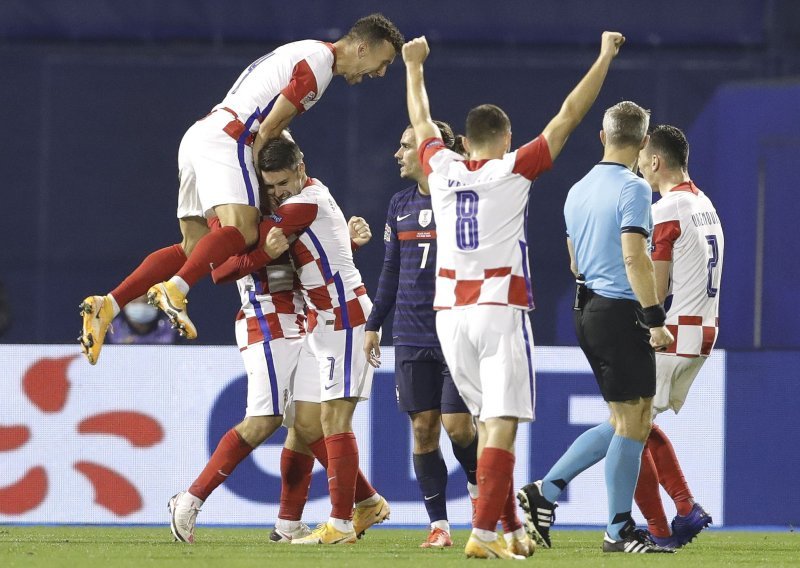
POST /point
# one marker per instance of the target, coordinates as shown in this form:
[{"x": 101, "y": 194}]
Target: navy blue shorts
[{"x": 423, "y": 381}]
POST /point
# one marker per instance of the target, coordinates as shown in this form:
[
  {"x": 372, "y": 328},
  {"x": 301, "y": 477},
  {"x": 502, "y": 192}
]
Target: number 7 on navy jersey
[{"x": 467, "y": 220}]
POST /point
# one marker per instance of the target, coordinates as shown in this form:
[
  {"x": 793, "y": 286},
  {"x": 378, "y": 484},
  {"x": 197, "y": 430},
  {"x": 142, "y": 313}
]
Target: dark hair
[
  {"x": 279, "y": 154},
  {"x": 445, "y": 130},
  {"x": 375, "y": 28},
  {"x": 671, "y": 144},
  {"x": 459, "y": 147},
  {"x": 485, "y": 123}
]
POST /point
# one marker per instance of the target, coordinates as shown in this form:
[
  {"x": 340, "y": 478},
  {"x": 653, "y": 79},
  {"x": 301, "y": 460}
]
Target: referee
[{"x": 619, "y": 323}]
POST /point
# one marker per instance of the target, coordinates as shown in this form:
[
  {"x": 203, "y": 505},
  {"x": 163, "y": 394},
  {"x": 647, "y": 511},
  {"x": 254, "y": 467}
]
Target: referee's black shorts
[{"x": 617, "y": 344}]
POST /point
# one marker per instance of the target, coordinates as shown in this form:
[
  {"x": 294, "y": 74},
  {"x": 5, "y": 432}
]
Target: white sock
[
  {"x": 484, "y": 535},
  {"x": 114, "y": 304},
  {"x": 371, "y": 500},
  {"x": 341, "y": 525},
  {"x": 196, "y": 501},
  {"x": 286, "y": 525},
  {"x": 444, "y": 525},
  {"x": 181, "y": 284},
  {"x": 473, "y": 490},
  {"x": 519, "y": 533}
]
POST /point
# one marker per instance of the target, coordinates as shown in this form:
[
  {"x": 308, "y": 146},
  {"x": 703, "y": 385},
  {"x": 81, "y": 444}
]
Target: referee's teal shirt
[{"x": 608, "y": 201}]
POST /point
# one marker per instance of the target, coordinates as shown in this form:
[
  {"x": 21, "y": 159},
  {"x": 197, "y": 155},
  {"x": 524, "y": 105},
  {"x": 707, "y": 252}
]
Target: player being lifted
[
  {"x": 337, "y": 311},
  {"x": 217, "y": 175},
  {"x": 483, "y": 289}
]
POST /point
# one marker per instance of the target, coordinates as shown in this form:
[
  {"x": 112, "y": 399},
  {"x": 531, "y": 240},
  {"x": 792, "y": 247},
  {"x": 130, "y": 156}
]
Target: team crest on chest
[{"x": 425, "y": 217}]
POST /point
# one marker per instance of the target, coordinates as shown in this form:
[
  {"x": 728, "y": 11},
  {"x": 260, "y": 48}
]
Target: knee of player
[
  {"x": 308, "y": 431},
  {"x": 460, "y": 428},
  {"x": 256, "y": 429}
]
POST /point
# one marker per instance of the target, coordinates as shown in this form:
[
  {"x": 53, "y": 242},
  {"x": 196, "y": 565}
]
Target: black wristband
[{"x": 654, "y": 316}]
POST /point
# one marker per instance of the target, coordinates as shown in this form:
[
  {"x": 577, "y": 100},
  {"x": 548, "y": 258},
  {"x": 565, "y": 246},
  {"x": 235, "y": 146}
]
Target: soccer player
[
  {"x": 687, "y": 252},
  {"x": 483, "y": 291},
  {"x": 217, "y": 176},
  {"x": 609, "y": 223},
  {"x": 270, "y": 334},
  {"x": 425, "y": 389},
  {"x": 337, "y": 311}
]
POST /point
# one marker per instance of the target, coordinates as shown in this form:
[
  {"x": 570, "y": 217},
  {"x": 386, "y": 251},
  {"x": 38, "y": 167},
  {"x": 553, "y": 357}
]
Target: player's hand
[
  {"x": 610, "y": 43},
  {"x": 360, "y": 232},
  {"x": 276, "y": 243},
  {"x": 416, "y": 50},
  {"x": 660, "y": 338},
  {"x": 372, "y": 348}
]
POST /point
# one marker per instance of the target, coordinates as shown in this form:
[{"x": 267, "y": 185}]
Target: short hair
[
  {"x": 375, "y": 28},
  {"x": 279, "y": 154},
  {"x": 459, "y": 146},
  {"x": 445, "y": 130},
  {"x": 625, "y": 124},
  {"x": 485, "y": 123},
  {"x": 670, "y": 143}
]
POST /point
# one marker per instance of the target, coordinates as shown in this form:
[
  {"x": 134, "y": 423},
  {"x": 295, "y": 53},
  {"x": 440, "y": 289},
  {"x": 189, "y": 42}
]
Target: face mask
[{"x": 141, "y": 313}]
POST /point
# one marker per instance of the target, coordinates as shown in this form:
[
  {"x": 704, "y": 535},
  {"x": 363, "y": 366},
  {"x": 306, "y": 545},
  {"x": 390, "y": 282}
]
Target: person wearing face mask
[{"x": 141, "y": 323}]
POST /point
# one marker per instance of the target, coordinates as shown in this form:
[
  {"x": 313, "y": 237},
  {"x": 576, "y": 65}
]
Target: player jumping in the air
[{"x": 217, "y": 176}]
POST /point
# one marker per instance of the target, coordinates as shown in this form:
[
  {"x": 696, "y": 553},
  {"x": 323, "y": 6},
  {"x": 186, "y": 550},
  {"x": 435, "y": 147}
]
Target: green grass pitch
[{"x": 111, "y": 547}]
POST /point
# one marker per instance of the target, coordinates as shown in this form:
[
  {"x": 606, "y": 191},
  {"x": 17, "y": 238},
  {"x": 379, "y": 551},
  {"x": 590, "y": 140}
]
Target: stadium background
[{"x": 97, "y": 94}]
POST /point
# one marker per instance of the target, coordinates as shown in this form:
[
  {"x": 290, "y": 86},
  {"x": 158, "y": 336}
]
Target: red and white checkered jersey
[
  {"x": 687, "y": 231},
  {"x": 481, "y": 209},
  {"x": 301, "y": 71},
  {"x": 272, "y": 304},
  {"x": 323, "y": 258}
]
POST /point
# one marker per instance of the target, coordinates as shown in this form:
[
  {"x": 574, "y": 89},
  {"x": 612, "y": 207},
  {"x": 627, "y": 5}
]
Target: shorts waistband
[{"x": 235, "y": 128}]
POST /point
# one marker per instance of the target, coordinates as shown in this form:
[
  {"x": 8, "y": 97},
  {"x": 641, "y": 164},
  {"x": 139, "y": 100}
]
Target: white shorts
[
  {"x": 674, "y": 378},
  {"x": 214, "y": 169},
  {"x": 304, "y": 385},
  {"x": 489, "y": 351},
  {"x": 342, "y": 367},
  {"x": 270, "y": 366}
]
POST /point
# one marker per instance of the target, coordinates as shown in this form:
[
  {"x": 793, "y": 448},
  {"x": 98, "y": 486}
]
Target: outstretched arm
[
  {"x": 582, "y": 97},
  {"x": 415, "y": 52}
]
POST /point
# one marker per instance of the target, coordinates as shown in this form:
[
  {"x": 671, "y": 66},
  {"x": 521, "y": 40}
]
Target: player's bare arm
[
  {"x": 276, "y": 243},
  {"x": 282, "y": 113},
  {"x": 415, "y": 52},
  {"x": 582, "y": 97},
  {"x": 641, "y": 275},
  {"x": 662, "y": 270}
]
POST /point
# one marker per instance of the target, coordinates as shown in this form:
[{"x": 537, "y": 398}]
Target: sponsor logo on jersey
[
  {"x": 276, "y": 218},
  {"x": 425, "y": 217}
]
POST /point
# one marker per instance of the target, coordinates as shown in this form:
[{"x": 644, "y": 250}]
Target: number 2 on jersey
[
  {"x": 467, "y": 220},
  {"x": 711, "y": 290}
]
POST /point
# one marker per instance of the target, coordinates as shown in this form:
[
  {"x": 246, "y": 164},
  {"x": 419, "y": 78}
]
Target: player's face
[
  {"x": 283, "y": 184},
  {"x": 373, "y": 61},
  {"x": 407, "y": 157},
  {"x": 645, "y": 164}
]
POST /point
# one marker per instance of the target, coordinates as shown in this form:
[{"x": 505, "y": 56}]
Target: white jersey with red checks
[
  {"x": 323, "y": 258},
  {"x": 272, "y": 304},
  {"x": 687, "y": 231},
  {"x": 300, "y": 71},
  {"x": 481, "y": 215}
]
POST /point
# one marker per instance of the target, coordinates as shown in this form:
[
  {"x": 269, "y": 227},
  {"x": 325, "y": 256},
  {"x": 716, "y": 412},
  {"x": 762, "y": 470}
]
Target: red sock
[
  {"x": 295, "y": 481},
  {"x": 509, "y": 517},
  {"x": 157, "y": 267},
  {"x": 230, "y": 451},
  {"x": 670, "y": 474},
  {"x": 210, "y": 251},
  {"x": 342, "y": 473},
  {"x": 364, "y": 490},
  {"x": 495, "y": 476},
  {"x": 648, "y": 497}
]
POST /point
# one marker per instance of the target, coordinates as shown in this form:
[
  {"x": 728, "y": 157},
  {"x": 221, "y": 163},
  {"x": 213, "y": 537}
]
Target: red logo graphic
[{"x": 46, "y": 385}]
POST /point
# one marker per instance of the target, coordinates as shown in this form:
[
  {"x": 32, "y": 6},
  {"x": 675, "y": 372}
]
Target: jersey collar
[{"x": 686, "y": 186}]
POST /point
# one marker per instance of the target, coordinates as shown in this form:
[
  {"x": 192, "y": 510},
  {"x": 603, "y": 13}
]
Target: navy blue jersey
[{"x": 408, "y": 277}]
